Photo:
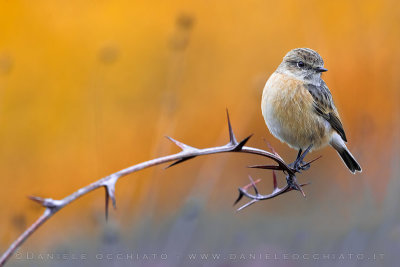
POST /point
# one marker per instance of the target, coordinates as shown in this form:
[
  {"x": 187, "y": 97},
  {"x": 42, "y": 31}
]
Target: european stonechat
[{"x": 298, "y": 107}]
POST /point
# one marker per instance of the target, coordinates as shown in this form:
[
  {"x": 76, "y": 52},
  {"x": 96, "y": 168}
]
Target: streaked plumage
[{"x": 298, "y": 107}]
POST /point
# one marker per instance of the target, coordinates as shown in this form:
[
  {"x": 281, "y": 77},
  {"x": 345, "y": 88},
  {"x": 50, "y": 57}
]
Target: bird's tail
[
  {"x": 349, "y": 160},
  {"x": 345, "y": 154}
]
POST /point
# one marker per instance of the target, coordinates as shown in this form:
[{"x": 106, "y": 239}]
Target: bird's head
[{"x": 303, "y": 63}]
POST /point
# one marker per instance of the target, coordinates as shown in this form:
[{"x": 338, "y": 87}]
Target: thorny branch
[{"x": 108, "y": 183}]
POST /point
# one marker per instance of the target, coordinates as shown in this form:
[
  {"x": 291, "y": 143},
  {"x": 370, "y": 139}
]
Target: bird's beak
[{"x": 320, "y": 69}]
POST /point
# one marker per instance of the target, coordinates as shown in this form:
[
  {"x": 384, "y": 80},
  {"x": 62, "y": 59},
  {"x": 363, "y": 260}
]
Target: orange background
[{"x": 90, "y": 87}]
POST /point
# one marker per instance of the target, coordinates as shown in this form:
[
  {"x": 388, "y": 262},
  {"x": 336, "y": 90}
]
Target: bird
[{"x": 298, "y": 108}]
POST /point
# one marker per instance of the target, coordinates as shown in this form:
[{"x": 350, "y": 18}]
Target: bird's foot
[{"x": 299, "y": 165}]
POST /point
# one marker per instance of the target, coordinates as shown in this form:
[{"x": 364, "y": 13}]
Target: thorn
[
  {"x": 247, "y": 204},
  {"x": 45, "y": 202},
  {"x": 311, "y": 161},
  {"x": 242, "y": 143},
  {"x": 244, "y": 188},
  {"x": 254, "y": 186},
  {"x": 274, "y": 180},
  {"x": 232, "y": 138},
  {"x": 249, "y": 185},
  {"x": 302, "y": 192},
  {"x": 179, "y": 161},
  {"x": 305, "y": 184},
  {"x": 110, "y": 194},
  {"x": 241, "y": 194},
  {"x": 180, "y": 144},
  {"x": 267, "y": 167},
  {"x": 107, "y": 199},
  {"x": 38, "y": 200},
  {"x": 272, "y": 149},
  {"x": 298, "y": 188},
  {"x": 270, "y": 146}
]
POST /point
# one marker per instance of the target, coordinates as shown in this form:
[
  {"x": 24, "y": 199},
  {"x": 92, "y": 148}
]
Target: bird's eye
[{"x": 300, "y": 64}]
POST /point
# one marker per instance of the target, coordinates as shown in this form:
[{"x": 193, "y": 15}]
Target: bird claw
[{"x": 299, "y": 165}]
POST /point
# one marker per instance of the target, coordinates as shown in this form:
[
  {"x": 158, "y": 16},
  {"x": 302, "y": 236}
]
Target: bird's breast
[{"x": 287, "y": 107}]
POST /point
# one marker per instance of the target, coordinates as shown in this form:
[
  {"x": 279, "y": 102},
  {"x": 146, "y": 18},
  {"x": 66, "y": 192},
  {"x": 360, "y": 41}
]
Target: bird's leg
[
  {"x": 299, "y": 154},
  {"x": 299, "y": 165}
]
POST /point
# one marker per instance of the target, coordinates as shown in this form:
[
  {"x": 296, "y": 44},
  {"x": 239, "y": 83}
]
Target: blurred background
[{"x": 90, "y": 87}]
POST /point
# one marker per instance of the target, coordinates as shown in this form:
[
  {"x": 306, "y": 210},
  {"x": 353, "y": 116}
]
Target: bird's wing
[{"x": 323, "y": 105}]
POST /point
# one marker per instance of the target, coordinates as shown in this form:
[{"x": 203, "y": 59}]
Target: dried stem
[{"x": 188, "y": 152}]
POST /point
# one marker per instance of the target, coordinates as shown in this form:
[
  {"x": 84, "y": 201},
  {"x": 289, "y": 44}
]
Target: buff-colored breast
[{"x": 287, "y": 107}]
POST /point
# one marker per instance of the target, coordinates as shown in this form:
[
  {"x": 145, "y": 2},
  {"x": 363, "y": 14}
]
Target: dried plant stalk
[{"x": 108, "y": 183}]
